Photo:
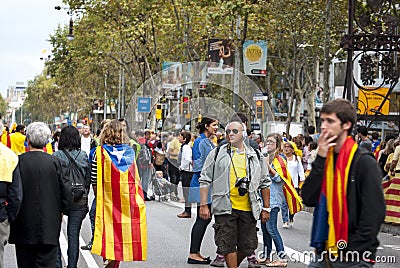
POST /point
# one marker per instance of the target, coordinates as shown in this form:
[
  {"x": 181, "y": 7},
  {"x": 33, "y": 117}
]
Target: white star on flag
[{"x": 118, "y": 154}]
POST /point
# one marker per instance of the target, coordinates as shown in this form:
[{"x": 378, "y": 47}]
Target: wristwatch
[{"x": 267, "y": 209}]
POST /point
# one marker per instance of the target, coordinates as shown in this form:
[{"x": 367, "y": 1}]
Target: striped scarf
[
  {"x": 292, "y": 197},
  {"x": 120, "y": 224},
  {"x": 330, "y": 224}
]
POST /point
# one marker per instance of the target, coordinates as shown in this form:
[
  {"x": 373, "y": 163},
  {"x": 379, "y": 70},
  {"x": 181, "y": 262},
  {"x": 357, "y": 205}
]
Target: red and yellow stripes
[
  {"x": 391, "y": 189},
  {"x": 120, "y": 225},
  {"x": 334, "y": 187},
  {"x": 292, "y": 197}
]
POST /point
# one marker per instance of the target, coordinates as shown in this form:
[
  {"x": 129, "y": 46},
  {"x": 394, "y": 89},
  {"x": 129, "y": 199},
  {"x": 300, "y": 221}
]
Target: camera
[{"x": 243, "y": 184}]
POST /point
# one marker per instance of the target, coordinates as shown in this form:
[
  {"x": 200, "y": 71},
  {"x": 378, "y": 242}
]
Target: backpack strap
[
  {"x": 72, "y": 161},
  {"x": 215, "y": 157}
]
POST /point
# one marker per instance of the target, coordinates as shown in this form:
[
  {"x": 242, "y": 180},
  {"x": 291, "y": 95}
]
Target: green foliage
[
  {"x": 3, "y": 107},
  {"x": 139, "y": 35}
]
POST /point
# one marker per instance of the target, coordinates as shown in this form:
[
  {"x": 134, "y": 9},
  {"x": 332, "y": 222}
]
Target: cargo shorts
[{"x": 235, "y": 232}]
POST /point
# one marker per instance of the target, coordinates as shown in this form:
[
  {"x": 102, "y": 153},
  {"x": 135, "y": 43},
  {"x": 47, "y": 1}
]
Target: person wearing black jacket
[
  {"x": 46, "y": 196},
  {"x": 10, "y": 192},
  {"x": 363, "y": 199}
]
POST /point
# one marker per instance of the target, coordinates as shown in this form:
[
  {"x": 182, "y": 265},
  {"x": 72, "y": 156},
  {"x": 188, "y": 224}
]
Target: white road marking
[
  {"x": 87, "y": 255},
  {"x": 294, "y": 255}
]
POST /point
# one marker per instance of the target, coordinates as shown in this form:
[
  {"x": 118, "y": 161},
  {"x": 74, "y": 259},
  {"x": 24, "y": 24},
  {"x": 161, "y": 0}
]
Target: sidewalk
[{"x": 385, "y": 227}]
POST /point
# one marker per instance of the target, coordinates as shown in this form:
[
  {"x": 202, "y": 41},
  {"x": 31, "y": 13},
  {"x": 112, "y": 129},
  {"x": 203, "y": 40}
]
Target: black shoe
[
  {"x": 87, "y": 247},
  {"x": 149, "y": 198},
  {"x": 193, "y": 261}
]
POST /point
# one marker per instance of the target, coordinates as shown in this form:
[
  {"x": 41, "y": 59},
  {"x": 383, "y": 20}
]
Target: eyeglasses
[
  {"x": 235, "y": 131},
  {"x": 270, "y": 142}
]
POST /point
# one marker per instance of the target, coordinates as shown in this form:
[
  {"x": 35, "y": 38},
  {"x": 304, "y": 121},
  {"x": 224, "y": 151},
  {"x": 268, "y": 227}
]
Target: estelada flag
[
  {"x": 292, "y": 197},
  {"x": 120, "y": 224}
]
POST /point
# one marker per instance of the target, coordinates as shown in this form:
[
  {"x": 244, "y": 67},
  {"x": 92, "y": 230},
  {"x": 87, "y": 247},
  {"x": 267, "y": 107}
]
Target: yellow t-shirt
[
  {"x": 17, "y": 143},
  {"x": 239, "y": 165},
  {"x": 174, "y": 148}
]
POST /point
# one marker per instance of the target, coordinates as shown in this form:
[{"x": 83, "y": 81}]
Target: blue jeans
[
  {"x": 75, "y": 218},
  {"x": 92, "y": 215},
  {"x": 270, "y": 232},
  {"x": 285, "y": 211}
]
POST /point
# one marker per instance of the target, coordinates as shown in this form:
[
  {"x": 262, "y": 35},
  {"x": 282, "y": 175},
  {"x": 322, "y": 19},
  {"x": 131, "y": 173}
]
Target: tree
[
  {"x": 3, "y": 107},
  {"x": 137, "y": 36}
]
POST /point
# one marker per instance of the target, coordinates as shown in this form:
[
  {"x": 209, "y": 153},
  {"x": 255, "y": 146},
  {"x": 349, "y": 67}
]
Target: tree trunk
[{"x": 327, "y": 44}]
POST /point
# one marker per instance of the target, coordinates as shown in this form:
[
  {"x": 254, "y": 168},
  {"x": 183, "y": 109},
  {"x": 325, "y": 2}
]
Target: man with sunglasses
[{"x": 235, "y": 174}]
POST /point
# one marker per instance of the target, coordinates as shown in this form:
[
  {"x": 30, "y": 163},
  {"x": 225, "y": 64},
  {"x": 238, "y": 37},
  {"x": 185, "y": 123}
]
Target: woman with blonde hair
[
  {"x": 296, "y": 171},
  {"x": 120, "y": 202},
  {"x": 277, "y": 173}
]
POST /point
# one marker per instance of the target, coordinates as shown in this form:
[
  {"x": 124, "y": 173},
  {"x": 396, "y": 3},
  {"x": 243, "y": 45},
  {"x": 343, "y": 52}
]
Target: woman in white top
[
  {"x": 296, "y": 171},
  {"x": 186, "y": 168}
]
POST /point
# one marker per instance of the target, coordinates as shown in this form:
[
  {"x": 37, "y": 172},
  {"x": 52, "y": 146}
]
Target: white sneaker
[{"x": 286, "y": 225}]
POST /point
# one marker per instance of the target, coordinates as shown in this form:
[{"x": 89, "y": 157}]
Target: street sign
[
  {"x": 255, "y": 126},
  {"x": 260, "y": 96},
  {"x": 144, "y": 105}
]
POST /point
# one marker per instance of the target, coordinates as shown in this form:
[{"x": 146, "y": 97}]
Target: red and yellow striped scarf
[
  {"x": 334, "y": 188},
  {"x": 292, "y": 197},
  {"x": 120, "y": 224}
]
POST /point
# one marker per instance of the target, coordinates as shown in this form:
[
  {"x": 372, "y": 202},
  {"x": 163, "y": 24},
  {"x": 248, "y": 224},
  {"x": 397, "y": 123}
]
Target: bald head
[{"x": 234, "y": 133}]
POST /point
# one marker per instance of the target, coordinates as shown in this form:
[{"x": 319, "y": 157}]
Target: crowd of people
[{"x": 236, "y": 176}]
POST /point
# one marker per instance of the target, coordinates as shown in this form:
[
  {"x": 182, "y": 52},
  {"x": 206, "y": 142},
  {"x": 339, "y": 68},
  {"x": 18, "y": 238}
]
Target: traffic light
[
  {"x": 260, "y": 109},
  {"x": 185, "y": 106},
  {"x": 158, "y": 111}
]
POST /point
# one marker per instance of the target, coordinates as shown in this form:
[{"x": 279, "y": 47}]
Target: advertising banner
[
  {"x": 255, "y": 58},
  {"x": 171, "y": 75},
  {"x": 370, "y": 100},
  {"x": 220, "y": 56}
]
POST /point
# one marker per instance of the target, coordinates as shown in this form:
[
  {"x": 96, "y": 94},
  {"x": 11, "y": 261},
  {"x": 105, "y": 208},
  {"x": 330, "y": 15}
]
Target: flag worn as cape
[
  {"x": 391, "y": 190},
  {"x": 330, "y": 226},
  {"x": 292, "y": 197},
  {"x": 376, "y": 151},
  {"x": 120, "y": 224}
]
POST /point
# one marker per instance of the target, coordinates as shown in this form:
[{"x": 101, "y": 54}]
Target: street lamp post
[{"x": 22, "y": 105}]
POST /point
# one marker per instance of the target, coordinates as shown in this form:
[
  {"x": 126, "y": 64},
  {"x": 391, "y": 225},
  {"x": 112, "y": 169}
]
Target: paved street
[{"x": 169, "y": 236}]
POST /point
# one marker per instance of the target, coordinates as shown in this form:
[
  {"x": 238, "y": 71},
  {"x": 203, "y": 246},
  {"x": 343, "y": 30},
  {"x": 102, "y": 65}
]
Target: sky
[{"x": 25, "y": 27}]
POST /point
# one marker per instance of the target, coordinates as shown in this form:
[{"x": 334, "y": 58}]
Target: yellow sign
[
  {"x": 369, "y": 100},
  {"x": 253, "y": 53}
]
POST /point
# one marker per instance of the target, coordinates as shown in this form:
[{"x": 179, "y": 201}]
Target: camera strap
[{"x": 233, "y": 165}]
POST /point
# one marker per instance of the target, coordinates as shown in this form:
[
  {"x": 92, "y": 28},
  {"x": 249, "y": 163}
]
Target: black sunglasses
[{"x": 235, "y": 131}]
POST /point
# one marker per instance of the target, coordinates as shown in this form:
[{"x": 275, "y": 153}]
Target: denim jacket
[
  {"x": 215, "y": 175},
  {"x": 201, "y": 147}
]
